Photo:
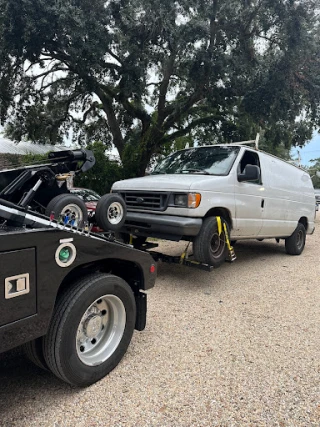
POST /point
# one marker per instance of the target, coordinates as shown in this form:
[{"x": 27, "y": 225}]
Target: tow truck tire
[
  {"x": 66, "y": 203},
  {"x": 208, "y": 246},
  {"x": 91, "y": 329},
  {"x": 111, "y": 212},
  {"x": 34, "y": 352},
  {"x": 295, "y": 243}
]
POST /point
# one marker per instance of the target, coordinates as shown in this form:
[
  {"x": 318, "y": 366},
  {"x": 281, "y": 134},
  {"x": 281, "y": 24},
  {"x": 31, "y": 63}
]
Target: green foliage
[
  {"x": 9, "y": 161},
  {"x": 31, "y": 159},
  {"x": 148, "y": 76},
  {"x": 313, "y": 170},
  {"x": 103, "y": 174}
]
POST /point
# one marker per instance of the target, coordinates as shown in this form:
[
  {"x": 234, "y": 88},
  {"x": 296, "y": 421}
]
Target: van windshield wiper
[{"x": 201, "y": 171}]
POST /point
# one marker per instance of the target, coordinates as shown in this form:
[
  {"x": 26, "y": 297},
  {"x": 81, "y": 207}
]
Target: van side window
[{"x": 250, "y": 158}]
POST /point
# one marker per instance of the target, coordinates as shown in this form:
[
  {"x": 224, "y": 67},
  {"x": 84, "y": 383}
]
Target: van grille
[{"x": 145, "y": 200}]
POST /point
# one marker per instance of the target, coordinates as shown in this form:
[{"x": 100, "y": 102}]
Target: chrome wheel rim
[
  {"x": 115, "y": 213},
  {"x": 100, "y": 330},
  {"x": 73, "y": 210}
]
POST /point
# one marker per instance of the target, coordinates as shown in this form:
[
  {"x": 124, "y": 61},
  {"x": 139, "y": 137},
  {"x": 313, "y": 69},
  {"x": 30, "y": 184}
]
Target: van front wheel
[
  {"x": 296, "y": 242},
  {"x": 209, "y": 247}
]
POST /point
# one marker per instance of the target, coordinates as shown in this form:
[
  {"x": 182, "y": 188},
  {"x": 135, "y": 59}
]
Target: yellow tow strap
[
  {"x": 227, "y": 237},
  {"x": 219, "y": 223}
]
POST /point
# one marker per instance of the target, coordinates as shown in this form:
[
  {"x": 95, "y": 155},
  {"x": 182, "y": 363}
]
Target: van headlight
[
  {"x": 181, "y": 200},
  {"x": 187, "y": 200}
]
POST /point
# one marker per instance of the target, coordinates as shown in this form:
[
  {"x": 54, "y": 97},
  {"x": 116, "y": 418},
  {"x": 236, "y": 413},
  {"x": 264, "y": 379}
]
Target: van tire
[
  {"x": 208, "y": 246},
  {"x": 296, "y": 242}
]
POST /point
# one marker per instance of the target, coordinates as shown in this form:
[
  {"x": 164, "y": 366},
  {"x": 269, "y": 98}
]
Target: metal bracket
[{"x": 15, "y": 286}]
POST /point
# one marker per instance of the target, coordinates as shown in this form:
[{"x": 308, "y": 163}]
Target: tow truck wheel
[
  {"x": 91, "y": 329},
  {"x": 68, "y": 204},
  {"x": 34, "y": 352},
  {"x": 111, "y": 212},
  {"x": 209, "y": 247}
]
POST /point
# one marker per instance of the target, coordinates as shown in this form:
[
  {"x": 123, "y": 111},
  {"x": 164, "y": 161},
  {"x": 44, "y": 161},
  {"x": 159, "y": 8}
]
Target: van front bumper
[{"x": 162, "y": 226}]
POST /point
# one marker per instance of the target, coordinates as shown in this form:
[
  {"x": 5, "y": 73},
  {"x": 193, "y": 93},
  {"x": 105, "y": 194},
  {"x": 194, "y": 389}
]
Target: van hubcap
[
  {"x": 300, "y": 239},
  {"x": 217, "y": 245}
]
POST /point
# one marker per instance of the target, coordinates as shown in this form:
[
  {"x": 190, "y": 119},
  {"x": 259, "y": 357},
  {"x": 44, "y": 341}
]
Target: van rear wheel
[
  {"x": 209, "y": 247},
  {"x": 296, "y": 242}
]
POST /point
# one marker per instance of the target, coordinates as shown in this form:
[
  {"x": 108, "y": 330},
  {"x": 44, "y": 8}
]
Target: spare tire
[
  {"x": 111, "y": 212},
  {"x": 68, "y": 204}
]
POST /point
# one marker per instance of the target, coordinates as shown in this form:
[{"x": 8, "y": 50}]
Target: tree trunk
[{"x": 136, "y": 156}]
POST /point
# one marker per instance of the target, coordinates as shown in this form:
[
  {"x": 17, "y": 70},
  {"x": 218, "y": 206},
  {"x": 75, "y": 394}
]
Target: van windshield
[{"x": 208, "y": 160}]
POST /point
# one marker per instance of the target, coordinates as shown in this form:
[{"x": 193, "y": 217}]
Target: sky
[{"x": 309, "y": 151}]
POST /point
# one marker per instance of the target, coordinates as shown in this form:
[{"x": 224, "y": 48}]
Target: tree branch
[
  {"x": 112, "y": 120},
  {"x": 32, "y": 64},
  {"x": 44, "y": 87},
  {"x": 116, "y": 57},
  {"x": 85, "y": 115},
  {"x": 184, "y": 131},
  {"x": 46, "y": 73},
  {"x": 167, "y": 72},
  {"x": 178, "y": 112},
  {"x": 213, "y": 25}
]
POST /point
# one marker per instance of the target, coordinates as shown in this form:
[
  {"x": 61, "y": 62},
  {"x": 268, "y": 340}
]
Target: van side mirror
[{"x": 250, "y": 173}]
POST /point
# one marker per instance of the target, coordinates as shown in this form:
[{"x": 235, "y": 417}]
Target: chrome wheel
[
  {"x": 115, "y": 213},
  {"x": 73, "y": 210},
  {"x": 100, "y": 330}
]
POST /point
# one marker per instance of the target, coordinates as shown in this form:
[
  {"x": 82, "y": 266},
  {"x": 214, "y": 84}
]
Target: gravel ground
[{"x": 239, "y": 346}]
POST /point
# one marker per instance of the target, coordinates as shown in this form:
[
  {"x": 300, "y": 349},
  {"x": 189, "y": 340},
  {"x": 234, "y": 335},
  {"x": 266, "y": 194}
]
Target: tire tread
[{"x": 64, "y": 306}]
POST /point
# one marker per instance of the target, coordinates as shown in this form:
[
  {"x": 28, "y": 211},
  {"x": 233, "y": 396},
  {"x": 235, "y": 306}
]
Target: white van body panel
[
  {"x": 215, "y": 191},
  {"x": 269, "y": 209},
  {"x": 289, "y": 196}
]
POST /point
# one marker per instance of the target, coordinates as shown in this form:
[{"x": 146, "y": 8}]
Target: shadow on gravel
[
  {"x": 24, "y": 384},
  {"x": 246, "y": 251}
]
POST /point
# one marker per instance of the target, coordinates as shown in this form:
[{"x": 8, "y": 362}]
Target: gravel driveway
[{"x": 239, "y": 346}]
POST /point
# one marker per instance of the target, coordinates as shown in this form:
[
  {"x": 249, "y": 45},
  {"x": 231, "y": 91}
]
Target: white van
[{"x": 258, "y": 196}]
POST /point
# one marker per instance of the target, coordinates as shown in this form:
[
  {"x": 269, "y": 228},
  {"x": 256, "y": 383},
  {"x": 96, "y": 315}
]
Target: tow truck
[{"x": 70, "y": 297}]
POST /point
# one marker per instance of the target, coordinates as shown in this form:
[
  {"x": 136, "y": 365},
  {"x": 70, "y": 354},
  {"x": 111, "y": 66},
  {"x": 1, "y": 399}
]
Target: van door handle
[{"x": 262, "y": 203}]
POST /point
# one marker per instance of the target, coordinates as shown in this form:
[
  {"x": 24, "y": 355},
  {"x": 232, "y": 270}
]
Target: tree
[
  {"x": 142, "y": 74},
  {"x": 104, "y": 173},
  {"x": 314, "y": 171}
]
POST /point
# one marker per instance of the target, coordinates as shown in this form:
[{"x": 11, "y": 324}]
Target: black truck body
[{"x": 35, "y": 280}]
